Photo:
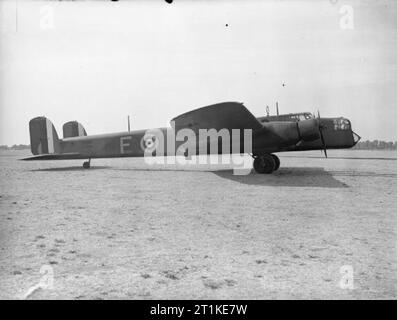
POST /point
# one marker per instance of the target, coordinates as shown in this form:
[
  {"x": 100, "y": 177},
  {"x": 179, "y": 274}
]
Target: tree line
[
  {"x": 15, "y": 147},
  {"x": 376, "y": 145}
]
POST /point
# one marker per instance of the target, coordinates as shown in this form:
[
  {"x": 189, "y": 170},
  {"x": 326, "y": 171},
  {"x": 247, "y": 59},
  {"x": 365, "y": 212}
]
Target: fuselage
[
  {"x": 276, "y": 136},
  {"x": 223, "y": 128}
]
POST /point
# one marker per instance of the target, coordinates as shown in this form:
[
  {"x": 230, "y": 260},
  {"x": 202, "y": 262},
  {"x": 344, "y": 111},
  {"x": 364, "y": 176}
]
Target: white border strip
[{"x": 50, "y": 137}]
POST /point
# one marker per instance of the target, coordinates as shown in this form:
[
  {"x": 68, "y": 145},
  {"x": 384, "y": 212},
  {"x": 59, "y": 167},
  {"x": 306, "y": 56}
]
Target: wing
[
  {"x": 226, "y": 115},
  {"x": 55, "y": 156}
]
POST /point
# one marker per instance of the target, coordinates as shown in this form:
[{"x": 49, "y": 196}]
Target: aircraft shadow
[
  {"x": 288, "y": 176},
  {"x": 342, "y": 158},
  {"x": 80, "y": 168},
  {"x": 315, "y": 177},
  {"x": 363, "y": 174}
]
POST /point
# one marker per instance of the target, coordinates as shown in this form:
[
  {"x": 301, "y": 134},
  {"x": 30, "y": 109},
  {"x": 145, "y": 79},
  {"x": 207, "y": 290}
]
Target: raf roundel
[{"x": 149, "y": 142}]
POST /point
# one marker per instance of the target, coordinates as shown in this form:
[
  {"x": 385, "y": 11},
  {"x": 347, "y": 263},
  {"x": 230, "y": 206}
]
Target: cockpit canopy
[
  {"x": 288, "y": 117},
  {"x": 339, "y": 124},
  {"x": 301, "y": 116}
]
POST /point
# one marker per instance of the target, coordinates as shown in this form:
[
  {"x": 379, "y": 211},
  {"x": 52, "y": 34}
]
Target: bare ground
[{"x": 124, "y": 229}]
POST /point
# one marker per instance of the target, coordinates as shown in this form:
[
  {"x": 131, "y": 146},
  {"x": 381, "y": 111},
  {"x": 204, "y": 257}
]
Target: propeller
[{"x": 320, "y": 129}]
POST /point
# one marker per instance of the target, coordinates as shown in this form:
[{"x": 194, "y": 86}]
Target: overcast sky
[{"x": 98, "y": 61}]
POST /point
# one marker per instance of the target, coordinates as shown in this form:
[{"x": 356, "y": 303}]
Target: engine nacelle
[{"x": 309, "y": 129}]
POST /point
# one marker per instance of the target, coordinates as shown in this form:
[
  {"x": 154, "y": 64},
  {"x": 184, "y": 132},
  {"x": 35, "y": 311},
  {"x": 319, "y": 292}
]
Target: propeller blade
[
  {"x": 320, "y": 128},
  {"x": 323, "y": 143}
]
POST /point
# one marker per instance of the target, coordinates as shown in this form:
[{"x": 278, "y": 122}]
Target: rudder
[{"x": 43, "y": 136}]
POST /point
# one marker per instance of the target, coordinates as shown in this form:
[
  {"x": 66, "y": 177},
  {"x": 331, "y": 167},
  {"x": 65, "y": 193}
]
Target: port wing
[
  {"x": 55, "y": 156},
  {"x": 227, "y": 115}
]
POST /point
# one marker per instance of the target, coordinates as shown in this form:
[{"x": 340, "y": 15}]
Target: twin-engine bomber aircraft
[{"x": 294, "y": 132}]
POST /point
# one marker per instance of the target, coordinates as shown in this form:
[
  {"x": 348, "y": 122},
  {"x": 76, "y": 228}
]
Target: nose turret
[
  {"x": 338, "y": 133},
  {"x": 356, "y": 138}
]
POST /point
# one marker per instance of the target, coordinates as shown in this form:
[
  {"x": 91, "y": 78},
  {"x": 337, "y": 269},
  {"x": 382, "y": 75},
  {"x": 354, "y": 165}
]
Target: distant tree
[
  {"x": 389, "y": 145},
  {"x": 15, "y": 147},
  {"x": 376, "y": 145},
  {"x": 20, "y": 147}
]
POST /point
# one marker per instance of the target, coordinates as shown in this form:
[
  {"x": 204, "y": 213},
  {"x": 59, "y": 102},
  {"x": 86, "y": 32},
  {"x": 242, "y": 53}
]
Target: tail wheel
[
  {"x": 264, "y": 164},
  {"x": 87, "y": 164},
  {"x": 276, "y": 161}
]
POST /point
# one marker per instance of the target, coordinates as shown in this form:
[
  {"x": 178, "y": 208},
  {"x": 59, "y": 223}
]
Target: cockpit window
[
  {"x": 301, "y": 116},
  {"x": 304, "y": 116},
  {"x": 342, "y": 124}
]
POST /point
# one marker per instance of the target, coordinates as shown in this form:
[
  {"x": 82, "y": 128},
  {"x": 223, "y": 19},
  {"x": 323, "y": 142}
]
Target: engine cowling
[{"x": 309, "y": 130}]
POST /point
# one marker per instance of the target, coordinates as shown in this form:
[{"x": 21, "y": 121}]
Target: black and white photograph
[{"x": 191, "y": 150}]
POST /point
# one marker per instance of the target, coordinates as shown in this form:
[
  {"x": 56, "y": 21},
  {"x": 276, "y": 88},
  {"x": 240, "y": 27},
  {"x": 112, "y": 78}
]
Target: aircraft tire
[
  {"x": 264, "y": 164},
  {"x": 276, "y": 161}
]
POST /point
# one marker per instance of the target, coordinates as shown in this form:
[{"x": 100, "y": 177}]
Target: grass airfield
[{"x": 128, "y": 230}]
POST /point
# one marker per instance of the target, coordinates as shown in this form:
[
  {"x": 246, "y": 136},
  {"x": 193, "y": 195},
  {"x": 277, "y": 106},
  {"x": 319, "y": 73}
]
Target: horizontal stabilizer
[
  {"x": 226, "y": 115},
  {"x": 54, "y": 156}
]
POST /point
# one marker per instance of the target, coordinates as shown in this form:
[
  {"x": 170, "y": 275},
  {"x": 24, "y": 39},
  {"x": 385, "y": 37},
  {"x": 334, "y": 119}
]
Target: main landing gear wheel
[
  {"x": 276, "y": 161},
  {"x": 87, "y": 164},
  {"x": 264, "y": 163}
]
